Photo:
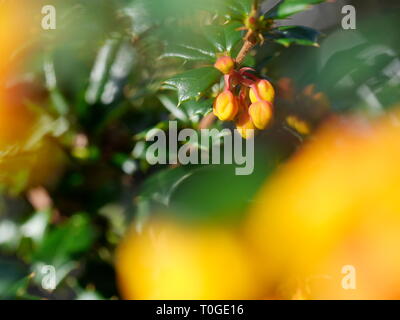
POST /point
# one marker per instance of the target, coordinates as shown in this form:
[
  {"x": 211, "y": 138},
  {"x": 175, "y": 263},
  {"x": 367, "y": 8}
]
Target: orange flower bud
[
  {"x": 265, "y": 90},
  {"x": 261, "y": 114},
  {"x": 225, "y": 64},
  {"x": 245, "y": 126},
  {"x": 225, "y": 106}
]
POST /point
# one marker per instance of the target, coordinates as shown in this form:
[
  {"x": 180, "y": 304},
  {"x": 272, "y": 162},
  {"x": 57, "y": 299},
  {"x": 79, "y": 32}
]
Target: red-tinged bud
[
  {"x": 265, "y": 92},
  {"x": 245, "y": 126},
  {"x": 225, "y": 64},
  {"x": 261, "y": 114},
  {"x": 226, "y": 106},
  {"x": 250, "y": 23}
]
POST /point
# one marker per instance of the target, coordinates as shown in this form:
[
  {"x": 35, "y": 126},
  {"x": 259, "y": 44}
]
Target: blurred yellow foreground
[{"x": 326, "y": 226}]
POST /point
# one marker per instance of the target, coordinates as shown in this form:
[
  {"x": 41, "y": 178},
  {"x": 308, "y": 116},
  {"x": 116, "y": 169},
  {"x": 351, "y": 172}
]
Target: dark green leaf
[
  {"x": 191, "y": 84},
  {"x": 288, "y": 35},
  {"x": 159, "y": 186},
  {"x": 13, "y": 277},
  {"x": 287, "y": 8},
  {"x": 214, "y": 193}
]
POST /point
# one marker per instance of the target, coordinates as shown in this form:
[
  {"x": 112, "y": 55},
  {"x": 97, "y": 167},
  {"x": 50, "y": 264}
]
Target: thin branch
[{"x": 246, "y": 48}]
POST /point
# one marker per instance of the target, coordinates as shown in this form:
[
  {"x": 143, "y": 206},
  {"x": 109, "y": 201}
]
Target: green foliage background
[{"x": 124, "y": 67}]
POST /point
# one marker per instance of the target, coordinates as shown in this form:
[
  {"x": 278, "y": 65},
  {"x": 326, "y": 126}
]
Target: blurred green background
[{"x": 97, "y": 84}]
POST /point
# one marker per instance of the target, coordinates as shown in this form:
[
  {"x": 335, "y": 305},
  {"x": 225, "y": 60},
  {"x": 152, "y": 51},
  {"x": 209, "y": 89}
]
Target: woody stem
[
  {"x": 247, "y": 46},
  {"x": 250, "y": 38}
]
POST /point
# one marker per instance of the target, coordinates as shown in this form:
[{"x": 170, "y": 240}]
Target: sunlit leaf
[
  {"x": 191, "y": 84},
  {"x": 189, "y": 52},
  {"x": 206, "y": 45},
  {"x": 287, "y": 8}
]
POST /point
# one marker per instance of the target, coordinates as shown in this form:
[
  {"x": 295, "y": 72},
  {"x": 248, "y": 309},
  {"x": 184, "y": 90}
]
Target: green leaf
[
  {"x": 156, "y": 192},
  {"x": 19, "y": 289},
  {"x": 13, "y": 277},
  {"x": 204, "y": 46},
  {"x": 231, "y": 9},
  {"x": 239, "y": 8},
  {"x": 160, "y": 185},
  {"x": 300, "y": 35},
  {"x": 214, "y": 193},
  {"x": 172, "y": 107},
  {"x": 188, "y": 112},
  {"x": 190, "y": 49},
  {"x": 224, "y": 38},
  {"x": 162, "y": 125},
  {"x": 191, "y": 84},
  {"x": 196, "y": 110},
  {"x": 63, "y": 243},
  {"x": 287, "y": 8}
]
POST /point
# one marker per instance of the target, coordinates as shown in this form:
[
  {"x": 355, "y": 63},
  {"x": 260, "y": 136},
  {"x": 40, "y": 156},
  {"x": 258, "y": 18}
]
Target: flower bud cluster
[{"x": 246, "y": 99}]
